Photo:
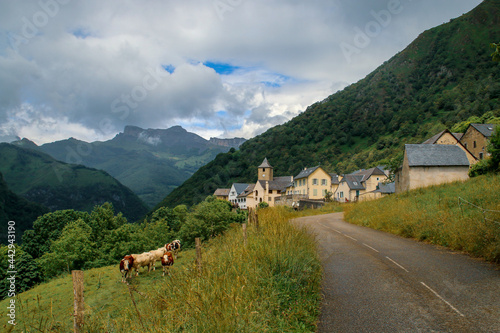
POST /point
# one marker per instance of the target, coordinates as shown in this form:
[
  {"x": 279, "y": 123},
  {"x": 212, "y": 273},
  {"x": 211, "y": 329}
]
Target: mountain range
[
  {"x": 37, "y": 177},
  {"x": 443, "y": 77},
  {"x": 151, "y": 162}
]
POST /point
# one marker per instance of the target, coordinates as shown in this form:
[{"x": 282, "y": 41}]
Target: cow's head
[{"x": 126, "y": 263}]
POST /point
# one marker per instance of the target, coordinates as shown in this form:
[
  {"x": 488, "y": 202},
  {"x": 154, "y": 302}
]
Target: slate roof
[
  {"x": 386, "y": 188},
  {"x": 239, "y": 187},
  {"x": 247, "y": 191},
  {"x": 265, "y": 164},
  {"x": 458, "y": 136},
  {"x": 435, "y": 155},
  {"x": 222, "y": 192},
  {"x": 335, "y": 179},
  {"x": 278, "y": 183},
  {"x": 370, "y": 172},
  {"x": 485, "y": 129},
  {"x": 354, "y": 181},
  {"x": 306, "y": 173}
]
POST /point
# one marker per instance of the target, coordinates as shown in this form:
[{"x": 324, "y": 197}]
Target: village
[{"x": 446, "y": 157}]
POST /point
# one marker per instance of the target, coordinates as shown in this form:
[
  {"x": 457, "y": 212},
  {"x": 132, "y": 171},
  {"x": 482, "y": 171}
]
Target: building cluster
[{"x": 446, "y": 157}]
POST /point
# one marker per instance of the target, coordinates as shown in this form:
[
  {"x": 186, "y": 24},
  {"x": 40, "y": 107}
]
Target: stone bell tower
[{"x": 265, "y": 171}]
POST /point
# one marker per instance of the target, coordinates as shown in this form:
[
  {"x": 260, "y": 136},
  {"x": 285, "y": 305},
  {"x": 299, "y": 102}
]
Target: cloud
[{"x": 87, "y": 69}]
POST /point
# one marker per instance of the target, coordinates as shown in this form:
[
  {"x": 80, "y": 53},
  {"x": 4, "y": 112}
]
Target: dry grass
[
  {"x": 271, "y": 285},
  {"x": 463, "y": 216}
]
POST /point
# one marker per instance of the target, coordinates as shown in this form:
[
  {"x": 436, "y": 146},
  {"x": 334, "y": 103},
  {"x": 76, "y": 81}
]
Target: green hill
[
  {"x": 17, "y": 209},
  {"x": 56, "y": 185},
  {"x": 445, "y": 76},
  {"x": 151, "y": 162}
]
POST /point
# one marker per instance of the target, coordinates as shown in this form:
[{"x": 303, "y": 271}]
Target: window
[
  {"x": 270, "y": 191},
  {"x": 315, "y": 192},
  {"x": 315, "y": 181},
  {"x": 323, "y": 182},
  {"x": 475, "y": 144},
  {"x": 341, "y": 194},
  {"x": 481, "y": 156}
]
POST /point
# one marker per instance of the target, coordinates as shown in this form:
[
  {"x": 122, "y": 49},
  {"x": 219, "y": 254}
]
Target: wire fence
[{"x": 462, "y": 201}]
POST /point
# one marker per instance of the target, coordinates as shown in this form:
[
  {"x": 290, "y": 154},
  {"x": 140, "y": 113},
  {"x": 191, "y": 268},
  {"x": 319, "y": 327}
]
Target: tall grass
[
  {"x": 270, "y": 285},
  {"x": 463, "y": 216}
]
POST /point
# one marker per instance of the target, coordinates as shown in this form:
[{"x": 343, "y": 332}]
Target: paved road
[{"x": 378, "y": 282}]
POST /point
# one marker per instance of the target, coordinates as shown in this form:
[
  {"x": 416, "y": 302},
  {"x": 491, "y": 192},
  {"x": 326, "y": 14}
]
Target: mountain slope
[
  {"x": 150, "y": 162},
  {"x": 17, "y": 209},
  {"x": 445, "y": 76},
  {"x": 39, "y": 178}
]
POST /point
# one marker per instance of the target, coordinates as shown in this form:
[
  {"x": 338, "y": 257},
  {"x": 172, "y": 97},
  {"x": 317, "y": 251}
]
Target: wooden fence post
[
  {"x": 256, "y": 218},
  {"x": 198, "y": 253},
  {"x": 244, "y": 228},
  {"x": 79, "y": 301}
]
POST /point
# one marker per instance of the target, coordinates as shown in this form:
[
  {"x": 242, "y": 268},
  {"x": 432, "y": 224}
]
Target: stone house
[
  {"x": 425, "y": 165},
  {"x": 314, "y": 183},
  {"x": 447, "y": 138},
  {"x": 476, "y": 139}
]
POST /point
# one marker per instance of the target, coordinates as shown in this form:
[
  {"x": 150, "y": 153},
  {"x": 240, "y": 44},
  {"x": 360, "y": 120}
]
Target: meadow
[
  {"x": 463, "y": 216},
  {"x": 271, "y": 284}
]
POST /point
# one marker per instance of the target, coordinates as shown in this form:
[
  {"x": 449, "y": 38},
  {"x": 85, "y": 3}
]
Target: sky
[{"x": 219, "y": 68}]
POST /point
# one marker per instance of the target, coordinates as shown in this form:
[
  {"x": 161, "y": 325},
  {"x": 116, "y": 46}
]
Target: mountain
[
  {"x": 445, "y": 76},
  {"x": 40, "y": 178},
  {"x": 151, "y": 162},
  {"x": 17, "y": 209}
]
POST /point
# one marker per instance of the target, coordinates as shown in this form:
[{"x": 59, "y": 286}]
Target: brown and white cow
[
  {"x": 126, "y": 265},
  {"x": 157, "y": 255},
  {"x": 141, "y": 260},
  {"x": 166, "y": 261},
  {"x": 174, "y": 247}
]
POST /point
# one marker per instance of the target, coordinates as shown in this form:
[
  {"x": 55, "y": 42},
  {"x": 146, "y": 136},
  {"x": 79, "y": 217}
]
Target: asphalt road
[{"x": 378, "y": 282}]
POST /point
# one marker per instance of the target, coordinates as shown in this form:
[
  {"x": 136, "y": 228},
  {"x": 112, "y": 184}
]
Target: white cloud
[{"x": 87, "y": 69}]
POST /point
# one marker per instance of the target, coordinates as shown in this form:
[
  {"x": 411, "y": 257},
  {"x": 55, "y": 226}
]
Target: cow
[
  {"x": 126, "y": 265},
  {"x": 141, "y": 260},
  {"x": 166, "y": 261},
  {"x": 157, "y": 255},
  {"x": 174, "y": 247}
]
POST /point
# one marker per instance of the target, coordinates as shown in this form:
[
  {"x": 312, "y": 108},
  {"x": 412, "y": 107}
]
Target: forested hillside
[
  {"x": 56, "y": 185},
  {"x": 445, "y": 76},
  {"x": 17, "y": 209}
]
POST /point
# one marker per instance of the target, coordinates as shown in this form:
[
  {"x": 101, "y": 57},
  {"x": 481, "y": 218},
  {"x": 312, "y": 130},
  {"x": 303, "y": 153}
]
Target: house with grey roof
[
  {"x": 447, "y": 138},
  {"x": 235, "y": 191},
  {"x": 358, "y": 185},
  {"x": 427, "y": 164},
  {"x": 476, "y": 139}
]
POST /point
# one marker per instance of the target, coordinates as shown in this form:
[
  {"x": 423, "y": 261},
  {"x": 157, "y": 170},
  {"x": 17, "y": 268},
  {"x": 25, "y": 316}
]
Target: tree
[
  {"x": 72, "y": 250},
  {"x": 494, "y": 150},
  {"x": 27, "y": 271},
  {"x": 48, "y": 228},
  {"x": 496, "y": 54}
]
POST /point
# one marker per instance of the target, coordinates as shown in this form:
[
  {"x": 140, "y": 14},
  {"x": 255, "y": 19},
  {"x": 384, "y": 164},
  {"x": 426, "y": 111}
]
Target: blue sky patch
[
  {"x": 169, "y": 68},
  {"x": 221, "y": 68}
]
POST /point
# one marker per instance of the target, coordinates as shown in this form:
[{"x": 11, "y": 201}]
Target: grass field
[
  {"x": 463, "y": 216},
  {"x": 270, "y": 285}
]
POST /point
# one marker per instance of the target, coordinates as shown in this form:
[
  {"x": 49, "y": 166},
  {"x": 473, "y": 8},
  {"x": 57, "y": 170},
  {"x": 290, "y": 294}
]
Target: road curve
[{"x": 378, "y": 282}]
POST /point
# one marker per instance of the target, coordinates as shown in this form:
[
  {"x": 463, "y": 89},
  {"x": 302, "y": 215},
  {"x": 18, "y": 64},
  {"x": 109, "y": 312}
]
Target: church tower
[{"x": 265, "y": 171}]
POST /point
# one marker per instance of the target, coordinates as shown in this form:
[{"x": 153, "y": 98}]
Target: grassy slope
[
  {"x": 57, "y": 185},
  {"x": 437, "y": 215},
  {"x": 443, "y": 77},
  {"x": 272, "y": 285}
]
